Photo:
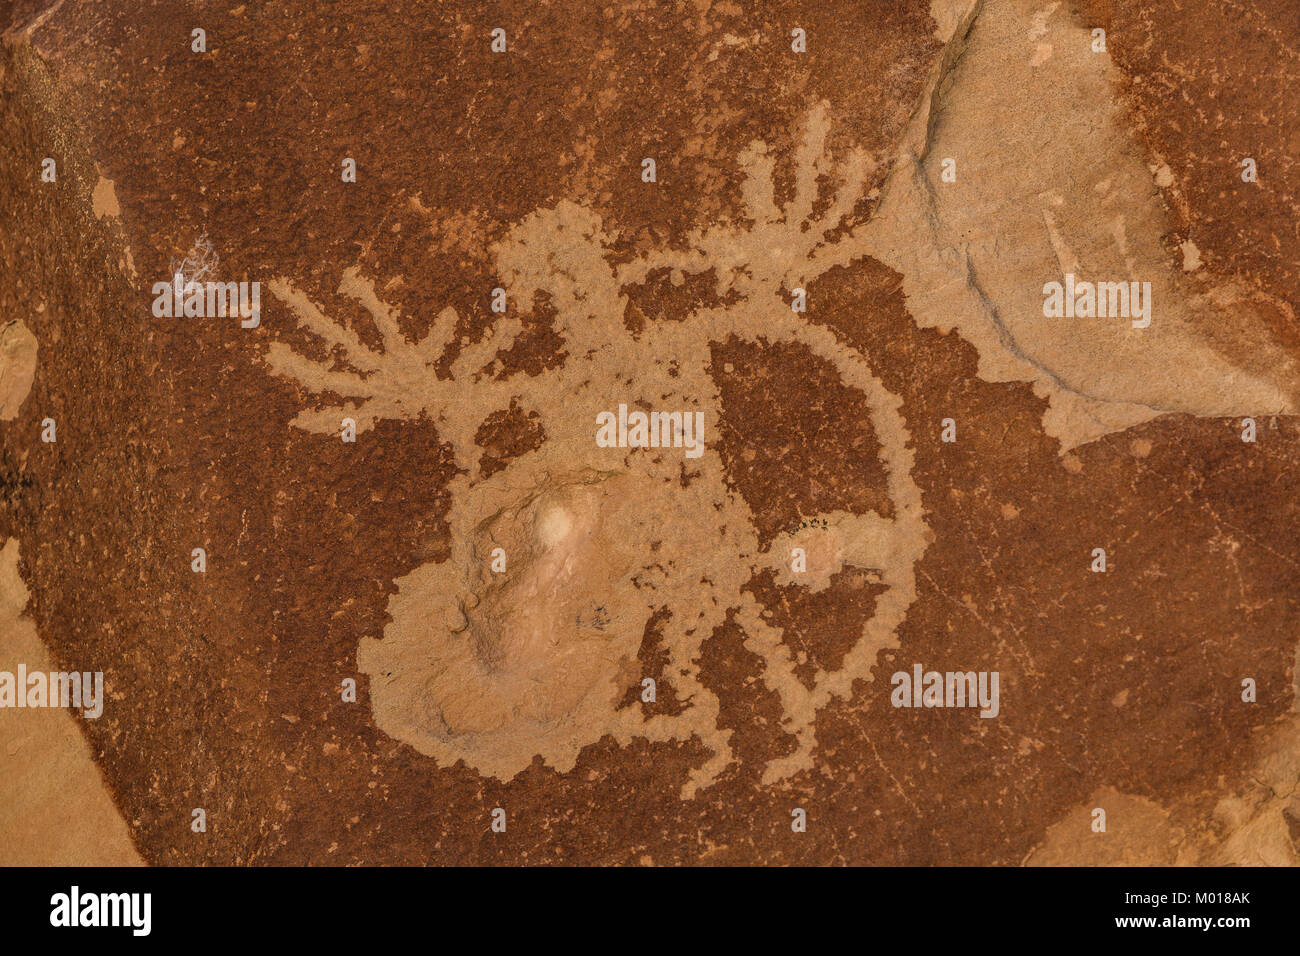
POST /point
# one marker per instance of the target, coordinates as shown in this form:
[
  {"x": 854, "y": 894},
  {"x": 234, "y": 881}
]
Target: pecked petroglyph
[{"x": 498, "y": 668}]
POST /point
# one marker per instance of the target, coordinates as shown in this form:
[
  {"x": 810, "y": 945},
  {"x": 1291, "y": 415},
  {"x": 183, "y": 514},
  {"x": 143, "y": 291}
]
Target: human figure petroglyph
[{"x": 497, "y": 669}]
